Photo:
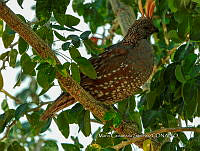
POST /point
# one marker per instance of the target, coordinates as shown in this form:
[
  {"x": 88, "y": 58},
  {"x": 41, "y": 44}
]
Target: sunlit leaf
[
  {"x": 13, "y": 56},
  {"x": 1, "y": 81},
  {"x": 49, "y": 146},
  {"x": 21, "y": 110},
  {"x": 8, "y": 36},
  {"x": 59, "y": 36},
  {"x": 179, "y": 74},
  {"x": 22, "y": 45},
  {"x": 86, "y": 67},
  {"x": 43, "y": 10},
  {"x": 67, "y": 20},
  {"x": 1, "y": 27},
  {"x": 63, "y": 124},
  {"x": 15, "y": 146},
  {"x": 70, "y": 147}
]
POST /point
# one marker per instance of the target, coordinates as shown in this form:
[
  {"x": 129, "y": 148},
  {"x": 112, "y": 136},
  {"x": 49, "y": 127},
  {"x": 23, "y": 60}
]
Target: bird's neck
[{"x": 132, "y": 38}]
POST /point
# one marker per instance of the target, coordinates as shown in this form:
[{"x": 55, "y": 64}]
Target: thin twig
[
  {"x": 18, "y": 101},
  {"x": 8, "y": 130},
  {"x": 95, "y": 121},
  {"x": 14, "y": 122},
  {"x": 39, "y": 106},
  {"x": 165, "y": 34},
  {"x": 12, "y": 45}
]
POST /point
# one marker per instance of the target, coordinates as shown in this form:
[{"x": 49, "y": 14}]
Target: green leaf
[
  {"x": 179, "y": 74},
  {"x": 2, "y": 146},
  {"x": 75, "y": 72},
  {"x": 60, "y": 6},
  {"x": 117, "y": 120},
  {"x": 70, "y": 147},
  {"x": 189, "y": 94},
  {"x": 22, "y": 45},
  {"x": 173, "y": 35},
  {"x": 172, "y": 5},
  {"x": 188, "y": 62},
  {"x": 15, "y": 146},
  {"x": 183, "y": 137},
  {"x": 1, "y": 28},
  {"x": 59, "y": 36},
  {"x": 73, "y": 115},
  {"x": 1, "y": 81},
  {"x": 86, "y": 67},
  {"x": 65, "y": 46},
  {"x": 63, "y": 124},
  {"x": 4, "y": 105},
  {"x": 46, "y": 34},
  {"x": 151, "y": 116},
  {"x": 44, "y": 79},
  {"x": 6, "y": 118},
  {"x": 20, "y": 2},
  {"x": 109, "y": 115},
  {"x": 26, "y": 63},
  {"x": 13, "y": 56},
  {"x": 92, "y": 48},
  {"x": 183, "y": 51},
  {"x": 84, "y": 123},
  {"x": 46, "y": 125},
  {"x": 172, "y": 121},
  {"x": 43, "y": 10},
  {"x": 49, "y": 146},
  {"x": 74, "y": 53},
  {"x": 75, "y": 40},
  {"x": 4, "y": 55},
  {"x": 147, "y": 145},
  {"x": 8, "y": 36},
  {"x": 151, "y": 98},
  {"x": 37, "y": 126},
  {"x": 21, "y": 110},
  {"x": 85, "y": 35},
  {"x": 67, "y": 20},
  {"x": 168, "y": 146},
  {"x": 21, "y": 17},
  {"x": 189, "y": 90},
  {"x": 195, "y": 34}
]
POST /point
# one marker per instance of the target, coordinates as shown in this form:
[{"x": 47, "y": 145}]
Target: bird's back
[{"x": 121, "y": 70}]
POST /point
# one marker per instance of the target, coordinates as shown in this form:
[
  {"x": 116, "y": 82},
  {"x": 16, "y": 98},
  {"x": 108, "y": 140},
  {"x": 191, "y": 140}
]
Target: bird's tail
[{"x": 63, "y": 101}]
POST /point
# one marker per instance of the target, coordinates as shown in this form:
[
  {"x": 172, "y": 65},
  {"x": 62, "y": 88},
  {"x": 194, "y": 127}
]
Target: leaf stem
[{"x": 11, "y": 96}]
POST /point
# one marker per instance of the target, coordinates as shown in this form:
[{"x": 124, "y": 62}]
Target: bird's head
[{"x": 143, "y": 27}]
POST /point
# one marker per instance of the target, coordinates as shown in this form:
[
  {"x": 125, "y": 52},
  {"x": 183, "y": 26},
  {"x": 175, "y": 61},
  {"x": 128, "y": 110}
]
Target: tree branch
[{"x": 17, "y": 101}]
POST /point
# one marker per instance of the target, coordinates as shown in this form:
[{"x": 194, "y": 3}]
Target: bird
[{"x": 121, "y": 69}]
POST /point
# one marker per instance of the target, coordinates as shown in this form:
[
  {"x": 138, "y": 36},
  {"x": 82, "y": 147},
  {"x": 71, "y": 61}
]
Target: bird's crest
[{"x": 149, "y": 8}]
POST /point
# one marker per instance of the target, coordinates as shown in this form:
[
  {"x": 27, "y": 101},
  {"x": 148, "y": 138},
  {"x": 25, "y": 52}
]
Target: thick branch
[
  {"x": 124, "y": 14},
  {"x": 67, "y": 82}
]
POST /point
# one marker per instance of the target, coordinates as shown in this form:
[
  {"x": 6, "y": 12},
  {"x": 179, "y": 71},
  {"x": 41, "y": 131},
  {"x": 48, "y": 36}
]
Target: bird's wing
[{"x": 106, "y": 64}]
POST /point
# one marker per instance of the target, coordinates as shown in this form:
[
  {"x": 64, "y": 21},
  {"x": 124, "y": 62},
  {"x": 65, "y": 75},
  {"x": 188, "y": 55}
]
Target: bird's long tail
[{"x": 63, "y": 101}]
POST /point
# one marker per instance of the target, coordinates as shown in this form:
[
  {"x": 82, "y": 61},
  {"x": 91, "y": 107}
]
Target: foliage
[{"x": 174, "y": 92}]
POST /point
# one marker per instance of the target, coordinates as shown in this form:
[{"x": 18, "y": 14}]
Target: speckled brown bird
[{"x": 122, "y": 69}]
